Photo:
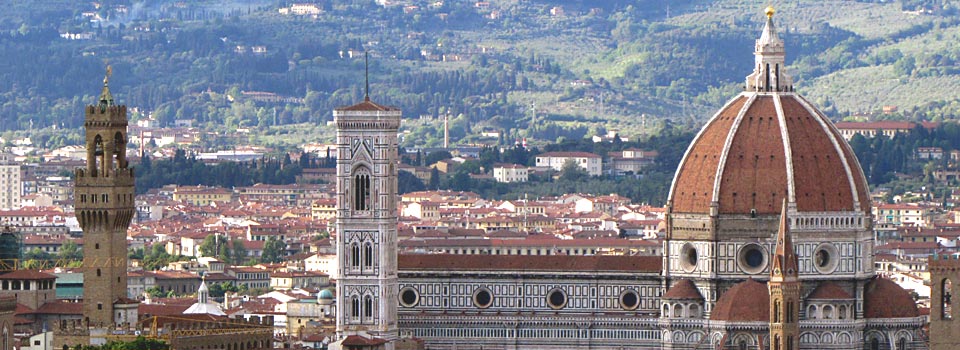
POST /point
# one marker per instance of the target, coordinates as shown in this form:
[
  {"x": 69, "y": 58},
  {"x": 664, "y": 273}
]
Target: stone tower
[
  {"x": 944, "y": 327},
  {"x": 104, "y": 200},
  {"x": 784, "y": 291},
  {"x": 367, "y": 156}
]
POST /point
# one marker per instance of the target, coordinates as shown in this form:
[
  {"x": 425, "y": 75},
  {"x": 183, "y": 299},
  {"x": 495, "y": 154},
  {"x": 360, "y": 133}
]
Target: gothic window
[
  {"x": 874, "y": 344},
  {"x": 368, "y": 308},
  {"x": 902, "y": 344},
  {"x": 361, "y": 189},
  {"x": 790, "y": 312},
  {"x": 355, "y": 307},
  {"x": 354, "y": 255},
  {"x": 946, "y": 288},
  {"x": 368, "y": 255},
  {"x": 776, "y": 312}
]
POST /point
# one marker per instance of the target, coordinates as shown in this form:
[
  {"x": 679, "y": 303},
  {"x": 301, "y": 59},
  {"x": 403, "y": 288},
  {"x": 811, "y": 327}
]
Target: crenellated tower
[
  {"x": 367, "y": 158},
  {"x": 104, "y": 201},
  {"x": 784, "y": 289}
]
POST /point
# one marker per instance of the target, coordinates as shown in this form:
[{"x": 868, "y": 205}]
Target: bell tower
[
  {"x": 104, "y": 201},
  {"x": 784, "y": 291},
  {"x": 367, "y": 157}
]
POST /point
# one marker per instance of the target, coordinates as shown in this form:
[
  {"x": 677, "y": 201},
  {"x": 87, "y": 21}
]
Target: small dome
[
  {"x": 883, "y": 298},
  {"x": 325, "y": 294},
  {"x": 683, "y": 289},
  {"x": 732, "y": 305},
  {"x": 829, "y": 291}
]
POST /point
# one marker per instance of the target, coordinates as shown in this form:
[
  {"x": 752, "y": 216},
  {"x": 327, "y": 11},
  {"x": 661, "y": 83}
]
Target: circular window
[
  {"x": 629, "y": 299},
  {"x": 752, "y": 258},
  {"x": 826, "y": 258},
  {"x": 688, "y": 257},
  {"x": 482, "y": 298},
  {"x": 556, "y": 298},
  {"x": 409, "y": 297}
]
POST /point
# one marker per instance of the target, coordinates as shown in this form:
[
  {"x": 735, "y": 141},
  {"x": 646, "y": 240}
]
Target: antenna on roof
[{"x": 366, "y": 64}]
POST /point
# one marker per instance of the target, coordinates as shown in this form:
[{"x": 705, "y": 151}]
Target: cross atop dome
[{"x": 769, "y": 74}]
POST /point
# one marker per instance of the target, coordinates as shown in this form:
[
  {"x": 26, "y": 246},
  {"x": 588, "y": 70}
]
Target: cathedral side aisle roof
[
  {"x": 732, "y": 305},
  {"x": 648, "y": 264}
]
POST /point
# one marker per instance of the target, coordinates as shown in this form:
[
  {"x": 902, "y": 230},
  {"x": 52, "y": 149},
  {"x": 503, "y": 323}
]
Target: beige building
[
  {"x": 510, "y": 173},
  {"x": 589, "y": 162},
  {"x": 202, "y": 195}
]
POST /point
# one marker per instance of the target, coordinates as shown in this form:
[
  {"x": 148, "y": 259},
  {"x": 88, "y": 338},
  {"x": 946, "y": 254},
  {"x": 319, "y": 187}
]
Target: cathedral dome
[
  {"x": 767, "y": 144},
  {"x": 732, "y": 305},
  {"x": 683, "y": 289},
  {"x": 884, "y": 298}
]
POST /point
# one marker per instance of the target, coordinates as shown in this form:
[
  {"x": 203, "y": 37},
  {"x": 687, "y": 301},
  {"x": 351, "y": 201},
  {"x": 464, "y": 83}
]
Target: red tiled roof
[
  {"x": 683, "y": 289},
  {"x": 745, "y": 301},
  {"x": 751, "y": 158},
  {"x": 27, "y": 275},
  {"x": 368, "y": 106},
  {"x": 161, "y": 309},
  {"x": 883, "y": 298},
  {"x": 356, "y": 340},
  {"x": 60, "y": 308},
  {"x": 568, "y": 155},
  {"x": 828, "y": 291},
  {"x": 448, "y": 262}
]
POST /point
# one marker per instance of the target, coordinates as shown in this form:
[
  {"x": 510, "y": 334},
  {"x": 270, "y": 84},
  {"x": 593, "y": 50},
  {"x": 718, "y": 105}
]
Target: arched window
[
  {"x": 368, "y": 308},
  {"x": 742, "y": 345},
  {"x": 842, "y": 312},
  {"x": 902, "y": 344},
  {"x": 354, "y": 255},
  {"x": 119, "y": 151},
  {"x": 946, "y": 288},
  {"x": 666, "y": 310},
  {"x": 776, "y": 312},
  {"x": 368, "y": 255},
  {"x": 874, "y": 344},
  {"x": 355, "y": 307},
  {"x": 677, "y": 311},
  {"x": 98, "y": 154},
  {"x": 361, "y": 189},
  {"x": 693, "y": 310},
  {"x": 812, "y": 312}
]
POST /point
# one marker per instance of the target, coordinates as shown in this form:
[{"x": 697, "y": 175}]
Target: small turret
[{"x": 769, "y": 74}]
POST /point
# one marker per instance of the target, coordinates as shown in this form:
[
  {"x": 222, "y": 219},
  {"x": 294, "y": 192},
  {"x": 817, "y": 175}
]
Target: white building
[
  {"x": 510, "y": 173},
  {"x": 585, "y": 160},
  {"x": 10, "y": 185}
]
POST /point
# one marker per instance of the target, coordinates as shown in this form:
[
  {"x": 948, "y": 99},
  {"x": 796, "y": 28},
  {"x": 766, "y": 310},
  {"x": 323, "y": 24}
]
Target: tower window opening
[
  {"x": 946, "y": 291},
  {"x": 354, "y": 255},
  {"x": 98, "y": 160},
  {"x": 368, "y": 307},
  {"x": 368, "y": 255},
  {"x": 361, "y": 190}
]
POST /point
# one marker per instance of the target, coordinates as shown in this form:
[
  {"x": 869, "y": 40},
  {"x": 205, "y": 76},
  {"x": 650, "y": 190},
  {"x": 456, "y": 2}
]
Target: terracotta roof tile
[
  {"x": 747, "y": 301},
  {"x": 27, "y": 275},
  {"x": 883, "y": 298},
  {"x": 683, "y": 289},
  {"x": 368, "y": 106},
  {"x": 828, "y": 291}
]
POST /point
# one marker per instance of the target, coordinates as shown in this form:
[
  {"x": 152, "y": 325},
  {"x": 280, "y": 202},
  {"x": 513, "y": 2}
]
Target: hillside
[{"x": 544, "y": 69}]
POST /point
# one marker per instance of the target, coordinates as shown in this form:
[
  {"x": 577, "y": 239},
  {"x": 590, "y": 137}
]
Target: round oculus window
[
  {"x": 556, "y": 299},
  {"x": 482, "y": 298},
  {"x": 629, "y": 299},
  {"x": 752, "y": 258},
  {"x": 409, "y": 297},
  {"x": 688, "y": 257},
  {"x": 826, "y": 257}
]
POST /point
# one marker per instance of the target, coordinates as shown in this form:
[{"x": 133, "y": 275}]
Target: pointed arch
[{"x": 360, "y": 182}]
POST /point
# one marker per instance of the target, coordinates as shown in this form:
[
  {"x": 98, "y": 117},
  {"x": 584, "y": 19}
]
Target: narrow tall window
[
  {"x": 368, "y": 255},
  {"x": 945, "y": 294},
  {"x": 355, "y": 307},
  {"x": 368, "y": 308},
  {"x": 355, "y": 255},
  {"x": 361, "y": 190}
]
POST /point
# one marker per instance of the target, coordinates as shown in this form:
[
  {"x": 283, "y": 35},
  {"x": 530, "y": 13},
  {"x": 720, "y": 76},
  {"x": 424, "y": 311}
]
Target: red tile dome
[
  {"x": 761, "y": 148},
  {"x": 731, "y": 306},
  {"x": 883, "y": 298},
  {"x": 829, "y": 291},
  {"x": 683, "y": 289}
]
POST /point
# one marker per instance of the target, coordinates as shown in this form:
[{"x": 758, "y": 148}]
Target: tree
[
  {"x": 572, "y": 172},
  {"x": 273, "y": 250},
  {"x": 239, "y": 254},
  {"x": 215, "y": 246},
  {"x": 70, "y": 251}
]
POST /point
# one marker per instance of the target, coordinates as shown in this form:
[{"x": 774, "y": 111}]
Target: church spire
[
  {"x": 784, "y": 288},
  {"x": 769, "y": 74},
  {"x": 785, "y": 258}
]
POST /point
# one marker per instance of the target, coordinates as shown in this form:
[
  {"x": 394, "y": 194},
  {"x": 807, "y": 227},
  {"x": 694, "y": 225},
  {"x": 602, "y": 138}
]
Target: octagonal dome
[{"x": 767, "y": 144}]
